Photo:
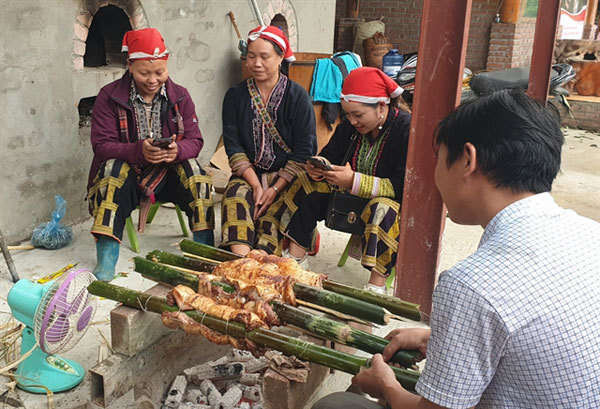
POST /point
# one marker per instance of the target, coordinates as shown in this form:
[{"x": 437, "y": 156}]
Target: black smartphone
[
  {"x": 320, "y": 162},
  {"x": 162, "y": 142}
]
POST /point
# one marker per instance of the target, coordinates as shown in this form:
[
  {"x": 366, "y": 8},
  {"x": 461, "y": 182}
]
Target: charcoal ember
[{"x": 195, "y": 395}]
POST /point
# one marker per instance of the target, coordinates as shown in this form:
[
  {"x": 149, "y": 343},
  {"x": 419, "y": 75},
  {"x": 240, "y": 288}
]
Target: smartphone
[
  {"x": 320, "y": 162},
  {"x": 162, "y": 142}
]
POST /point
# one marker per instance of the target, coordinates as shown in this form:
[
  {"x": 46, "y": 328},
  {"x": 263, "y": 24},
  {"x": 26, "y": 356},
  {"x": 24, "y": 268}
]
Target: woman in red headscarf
[
  {"x": 269, "y": 132},
  {"x": 375, "y": 135},
  {"x": 145, "y": 138}
]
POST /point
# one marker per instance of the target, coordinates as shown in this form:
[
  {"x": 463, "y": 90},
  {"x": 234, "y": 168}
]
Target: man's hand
[
  {"x": 378, "y": 380},
  {"x": 314, "y": 172},
  {"x": 406, "y": 338},
  {"x": 341, "y": 176}
]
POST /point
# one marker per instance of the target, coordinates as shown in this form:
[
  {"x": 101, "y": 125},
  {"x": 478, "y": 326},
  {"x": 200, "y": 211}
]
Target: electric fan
[{"x": 56, "y": 316}]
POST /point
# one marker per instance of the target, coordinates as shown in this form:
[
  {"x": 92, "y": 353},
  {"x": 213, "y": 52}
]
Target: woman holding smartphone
[
  {"x": 145, "y": 138},
  {"x": 269, "y": 131},
  {"x": 374, "y": 138}
]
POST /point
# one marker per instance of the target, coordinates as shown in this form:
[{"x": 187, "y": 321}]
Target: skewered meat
[
  {"x": 188, "y": 299},
  {"x": 248, "y": 300},
  {"x": 178, "y": 319},
  {"x": 289, "y": 267},
  {"x": 257, "y": 265}
]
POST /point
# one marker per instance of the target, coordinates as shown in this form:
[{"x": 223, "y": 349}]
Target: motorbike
[{"x": 485, "y": 83}]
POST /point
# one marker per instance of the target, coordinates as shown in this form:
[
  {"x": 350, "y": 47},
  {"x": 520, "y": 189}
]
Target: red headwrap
[
  {"x": 369, "y": 85},
  {"x": 276, "y": 35},
  {"x": 145, "y": 44}
]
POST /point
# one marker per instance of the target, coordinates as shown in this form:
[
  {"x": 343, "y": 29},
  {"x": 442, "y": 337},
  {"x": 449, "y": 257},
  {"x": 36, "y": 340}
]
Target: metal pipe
[{"x": 257, "y": 12}]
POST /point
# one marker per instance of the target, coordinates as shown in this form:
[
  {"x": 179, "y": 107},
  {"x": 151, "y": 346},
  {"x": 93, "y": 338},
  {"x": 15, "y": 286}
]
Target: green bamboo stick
[
  {"x": 322, "y": 326},
  {"x": 206, "y": 251},
  {"x": 342, "y": 333},
  {"x": 342, "y": 303},
  {"x": 164, "y": 274},
  {"x": 324, "y": 298},
  {"x": 171, "y": 259},
  {"x": 260, "y": 336},
  {"x": 392, "y": 304}
]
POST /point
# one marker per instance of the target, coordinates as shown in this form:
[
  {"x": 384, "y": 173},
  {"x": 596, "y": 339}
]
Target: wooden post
[
  {"x": 592, "y": 9},
  {"x": 352, "y": 8},
  {"x": 543, "y": 48},
  {"x": 442, "y": 50},
  {"x": 511, "y": 11}
]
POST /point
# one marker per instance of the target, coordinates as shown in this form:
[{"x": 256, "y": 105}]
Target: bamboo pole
[
  {"x": 328, "y": 299},
  {"x": 342, "y": 333},
  {"x": 171, "y": 259},
  {"x": 322, "y": 326},
  {"x": 263, "y": 337},
  {"x": 392, "y": 304},
  {"x": 204, "y": 250}
]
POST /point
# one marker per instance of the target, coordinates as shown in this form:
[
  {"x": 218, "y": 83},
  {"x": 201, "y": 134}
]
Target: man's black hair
[{"x": 518, "y": 140}]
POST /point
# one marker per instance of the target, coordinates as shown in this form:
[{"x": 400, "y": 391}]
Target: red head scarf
[
  {"x": 369, "y": 85},
  {"x": 145, "y": 44},
  {"x": 275, "y": 35}
]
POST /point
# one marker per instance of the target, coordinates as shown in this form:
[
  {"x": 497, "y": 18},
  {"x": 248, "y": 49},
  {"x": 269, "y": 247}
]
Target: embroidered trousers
[
  {"x": 298, "y": 209},
  {"x": 238, "y": 226},
  {"x": 115, "y": 194}
]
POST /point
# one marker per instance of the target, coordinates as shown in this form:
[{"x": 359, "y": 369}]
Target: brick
[{"x": 133, "y": 330}]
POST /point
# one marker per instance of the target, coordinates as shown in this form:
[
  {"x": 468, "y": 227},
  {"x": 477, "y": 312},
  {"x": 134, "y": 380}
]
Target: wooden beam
[
  {"x": 592, "y": 9},
  {"x": 442, "y": 50},
  {"x": 511, "y": 11},
  {"x": 352, "y": 8},
  {"x": 543, "y": 49}
]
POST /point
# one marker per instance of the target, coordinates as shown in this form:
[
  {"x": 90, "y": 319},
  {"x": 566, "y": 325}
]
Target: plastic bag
[{"x": 53, "y": 234}]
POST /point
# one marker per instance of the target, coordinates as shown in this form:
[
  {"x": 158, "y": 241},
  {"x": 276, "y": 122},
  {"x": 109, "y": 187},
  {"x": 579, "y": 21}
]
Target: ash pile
[{"x": 234, "y": 381}]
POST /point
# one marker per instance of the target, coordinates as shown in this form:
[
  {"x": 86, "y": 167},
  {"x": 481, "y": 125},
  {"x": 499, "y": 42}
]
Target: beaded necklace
[{"x": 367, "y": 154}]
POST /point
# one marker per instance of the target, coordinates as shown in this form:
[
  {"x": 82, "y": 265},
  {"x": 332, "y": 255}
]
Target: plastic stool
[{"x": 132, "y": 235}]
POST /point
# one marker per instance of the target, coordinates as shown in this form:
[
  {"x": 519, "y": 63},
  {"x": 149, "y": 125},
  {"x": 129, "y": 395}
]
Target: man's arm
[{"x": 380, "y": 382}]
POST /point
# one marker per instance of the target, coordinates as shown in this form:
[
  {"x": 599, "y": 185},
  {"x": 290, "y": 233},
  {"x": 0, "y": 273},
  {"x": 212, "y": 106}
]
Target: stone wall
[{"x": 42, "y": 80}]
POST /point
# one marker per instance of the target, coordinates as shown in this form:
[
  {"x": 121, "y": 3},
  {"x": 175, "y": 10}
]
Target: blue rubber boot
[
  {"x": 107, "y": 254},
  {"x": 205, "y": 237}
]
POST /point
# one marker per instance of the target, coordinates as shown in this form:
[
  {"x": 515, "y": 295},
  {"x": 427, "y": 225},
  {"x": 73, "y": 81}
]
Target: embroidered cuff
[
  {"x": 238, "y": 163},
  {"x": 368, "y": 186},
  {"x": 290, "y": 170}
]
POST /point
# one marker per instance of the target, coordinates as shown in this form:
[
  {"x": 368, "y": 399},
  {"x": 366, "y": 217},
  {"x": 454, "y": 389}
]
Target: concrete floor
[{"x": 577, "y": 187}]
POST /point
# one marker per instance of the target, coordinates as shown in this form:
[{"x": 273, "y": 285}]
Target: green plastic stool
[
  {"x": 389, "y": 282},
  {"x": 132, "y": 235}
]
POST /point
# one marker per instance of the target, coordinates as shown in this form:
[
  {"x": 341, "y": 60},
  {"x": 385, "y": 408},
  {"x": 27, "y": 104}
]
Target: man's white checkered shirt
[{"x": 517, "y": 324}]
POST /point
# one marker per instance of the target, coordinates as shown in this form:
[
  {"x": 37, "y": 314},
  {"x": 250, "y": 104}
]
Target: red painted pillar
[
  {"x": 442, "y": 49},
  {"x": 543, "y": 47}
]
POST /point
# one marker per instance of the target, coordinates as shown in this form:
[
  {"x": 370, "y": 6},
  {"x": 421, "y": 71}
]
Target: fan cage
[{"x": 64, "y": 313}]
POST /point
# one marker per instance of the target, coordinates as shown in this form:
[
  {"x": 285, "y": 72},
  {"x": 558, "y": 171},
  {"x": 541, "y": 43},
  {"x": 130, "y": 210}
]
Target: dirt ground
[{"x": 577, "y": 187}]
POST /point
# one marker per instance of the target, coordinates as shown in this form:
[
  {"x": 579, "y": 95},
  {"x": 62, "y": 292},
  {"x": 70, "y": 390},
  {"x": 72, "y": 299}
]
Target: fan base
[{"x": 55, "y": 373}]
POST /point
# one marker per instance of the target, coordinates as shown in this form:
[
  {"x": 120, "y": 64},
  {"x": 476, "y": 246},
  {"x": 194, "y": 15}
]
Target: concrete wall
[{"x": 44, "y": 152}]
